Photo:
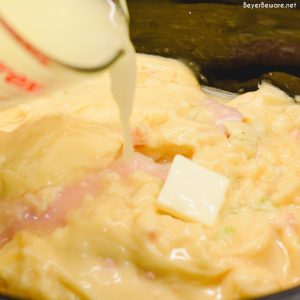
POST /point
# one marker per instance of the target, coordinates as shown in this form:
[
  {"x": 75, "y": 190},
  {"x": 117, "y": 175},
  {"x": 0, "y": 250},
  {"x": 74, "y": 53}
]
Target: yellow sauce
[{"x": 116, "y": 244}]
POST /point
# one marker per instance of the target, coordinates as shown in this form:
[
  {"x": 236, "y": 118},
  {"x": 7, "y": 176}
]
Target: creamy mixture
[{"x": 78, "y": 222}]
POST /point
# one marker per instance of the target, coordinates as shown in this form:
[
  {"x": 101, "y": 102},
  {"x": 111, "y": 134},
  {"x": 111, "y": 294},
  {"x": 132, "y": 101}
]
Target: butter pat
[{"x": 192, "y": 192}]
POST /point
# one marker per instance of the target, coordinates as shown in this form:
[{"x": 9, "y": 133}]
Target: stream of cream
[{"x": 123, "y": 74}]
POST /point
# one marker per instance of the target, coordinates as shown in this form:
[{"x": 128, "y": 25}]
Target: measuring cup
[{"x": 45, "y": 44}]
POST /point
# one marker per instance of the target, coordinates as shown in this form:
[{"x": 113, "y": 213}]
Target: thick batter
[{"x": 76, "y": 222}]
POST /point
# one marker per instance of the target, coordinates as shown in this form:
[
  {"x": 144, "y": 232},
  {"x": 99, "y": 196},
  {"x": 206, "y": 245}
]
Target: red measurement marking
[
  {"x": 38, "y": 55},
  {"x": 19, "y": 80}
]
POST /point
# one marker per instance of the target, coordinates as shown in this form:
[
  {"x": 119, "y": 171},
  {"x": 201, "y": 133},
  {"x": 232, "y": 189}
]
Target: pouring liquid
[
  {"x": 123, "y": 74},
  {"x": 72, "y": 37}
]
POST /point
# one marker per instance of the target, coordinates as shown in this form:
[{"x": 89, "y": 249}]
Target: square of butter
[{"x": 192, "y": 192}]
